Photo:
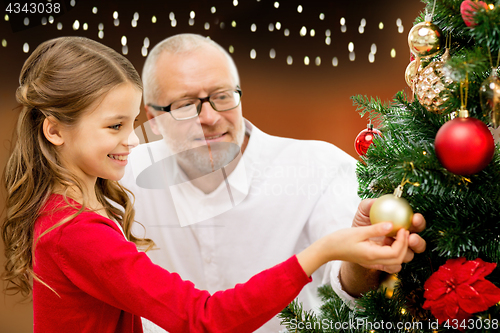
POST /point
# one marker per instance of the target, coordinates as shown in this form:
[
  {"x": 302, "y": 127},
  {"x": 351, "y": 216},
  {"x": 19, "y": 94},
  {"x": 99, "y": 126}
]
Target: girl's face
[{"x": 99, "y": 144}]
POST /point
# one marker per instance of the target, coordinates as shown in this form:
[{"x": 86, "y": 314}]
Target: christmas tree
[{"x": 437, "y": 145}]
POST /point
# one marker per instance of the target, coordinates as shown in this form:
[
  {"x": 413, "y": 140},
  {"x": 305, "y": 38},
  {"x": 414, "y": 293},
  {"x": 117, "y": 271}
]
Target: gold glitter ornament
[
  {"x": 425, "y": 39},
  {"x": 489, "y": 95},
  {"x": 430, "y": 85},
  {"x": 392, "y": 208}
]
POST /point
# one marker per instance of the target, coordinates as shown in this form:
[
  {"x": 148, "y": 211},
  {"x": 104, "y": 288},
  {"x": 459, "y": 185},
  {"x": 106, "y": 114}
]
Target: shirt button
[{"x": 208, "y": 260}]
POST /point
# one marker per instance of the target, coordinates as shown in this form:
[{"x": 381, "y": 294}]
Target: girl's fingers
[
  {"x": 376, "y": 230},
  {"x": 401, "y": 243},
  {"x": 394, "y": 254}
]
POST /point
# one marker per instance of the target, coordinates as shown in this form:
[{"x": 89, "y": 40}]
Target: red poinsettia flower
[{"x": 459, "y": 288}]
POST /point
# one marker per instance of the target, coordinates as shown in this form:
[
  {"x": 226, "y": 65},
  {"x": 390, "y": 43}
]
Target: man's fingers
[
  {"x": 418, "y": 223},
  {"x": 391, "y": 269},
  {"x": 416, "y": 243},
  {"x": 409, "y": 256},
  {"x": 365, "y": 206}
]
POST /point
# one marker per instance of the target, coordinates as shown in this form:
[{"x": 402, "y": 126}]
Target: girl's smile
[{"x": 99, "y": 145}]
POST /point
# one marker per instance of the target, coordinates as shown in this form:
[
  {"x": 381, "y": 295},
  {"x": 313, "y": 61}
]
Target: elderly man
[{"x": 223, "y": 200}]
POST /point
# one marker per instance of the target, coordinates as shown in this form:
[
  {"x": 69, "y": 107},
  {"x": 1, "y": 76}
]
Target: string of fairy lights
[{"x": 173, "y": 20}]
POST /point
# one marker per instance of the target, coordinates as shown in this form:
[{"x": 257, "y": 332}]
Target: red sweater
[{"x": 104, "y": 284}]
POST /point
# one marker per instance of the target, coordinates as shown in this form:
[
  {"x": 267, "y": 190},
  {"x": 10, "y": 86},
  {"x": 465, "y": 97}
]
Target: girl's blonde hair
[{"x": 60, "y": 79}]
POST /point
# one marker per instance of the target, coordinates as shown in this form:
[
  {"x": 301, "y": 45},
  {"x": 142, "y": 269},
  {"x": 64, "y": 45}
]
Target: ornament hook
[
  {"x": 428, "y": 17},
  {"x": 464, "y": 92},
  {"x": 398, "y": 192}
]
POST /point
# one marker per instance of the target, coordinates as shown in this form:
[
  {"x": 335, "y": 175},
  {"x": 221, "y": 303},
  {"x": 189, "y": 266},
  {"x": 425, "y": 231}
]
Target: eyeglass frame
[{"x": 198, "y": 108}]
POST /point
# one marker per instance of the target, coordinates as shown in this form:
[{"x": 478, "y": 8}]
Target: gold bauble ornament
[
  {"x": 411, "y": 73},
  {"x": 489, "y": 95},
  {"x": 392, "y": 208},
  {"x": 431, "y": 85},
  {"x": 425, "y": 39},
  {"x": 389, "y": 284}
]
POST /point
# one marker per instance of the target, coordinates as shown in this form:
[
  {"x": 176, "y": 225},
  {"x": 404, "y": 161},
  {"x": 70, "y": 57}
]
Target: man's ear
[
  {"x": 52, "y": 131},
  {"x": 152, "y": 120}
]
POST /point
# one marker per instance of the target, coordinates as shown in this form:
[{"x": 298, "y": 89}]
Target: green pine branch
[
  {"x": 487, "y": 30},
  {"x": 336, "y": 316},
  {"x": 297, "y": 320}
]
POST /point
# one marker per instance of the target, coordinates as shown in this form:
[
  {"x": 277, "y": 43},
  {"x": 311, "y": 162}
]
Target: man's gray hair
[{"x": 177, "y": 44}]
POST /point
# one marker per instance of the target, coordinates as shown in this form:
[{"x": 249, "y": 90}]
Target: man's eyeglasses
[{"x": 189, "y": 108}]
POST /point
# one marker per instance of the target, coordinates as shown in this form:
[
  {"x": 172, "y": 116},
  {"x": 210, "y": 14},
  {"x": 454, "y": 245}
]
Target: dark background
[{"x": 298, "y": 100}]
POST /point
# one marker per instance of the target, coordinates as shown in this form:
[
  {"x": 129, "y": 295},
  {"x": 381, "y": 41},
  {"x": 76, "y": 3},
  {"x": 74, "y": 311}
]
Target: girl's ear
[{"x": 52, "y": 131}]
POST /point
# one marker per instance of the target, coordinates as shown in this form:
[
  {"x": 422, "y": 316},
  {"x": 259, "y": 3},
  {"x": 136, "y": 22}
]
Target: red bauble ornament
[
  {"x": 468, "y": 9},
  {"x": 464, "y": 146},
  {"x": 365, "y": 139}
]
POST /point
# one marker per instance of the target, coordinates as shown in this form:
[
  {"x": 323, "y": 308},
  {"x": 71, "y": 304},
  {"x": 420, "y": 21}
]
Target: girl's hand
[
  {"x": 355, "y": 245},
  {"x": 416, "y": 244}
]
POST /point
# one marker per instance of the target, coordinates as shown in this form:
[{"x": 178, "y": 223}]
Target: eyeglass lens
[{"x": 190, "y": 107}]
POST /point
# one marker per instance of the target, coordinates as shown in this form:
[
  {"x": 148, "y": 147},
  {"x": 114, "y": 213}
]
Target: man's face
[{"x": 200, "y": 73}]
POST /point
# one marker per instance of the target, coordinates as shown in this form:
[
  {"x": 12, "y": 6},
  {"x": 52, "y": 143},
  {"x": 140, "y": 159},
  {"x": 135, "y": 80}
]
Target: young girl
[{"x": 79, "y": 103}]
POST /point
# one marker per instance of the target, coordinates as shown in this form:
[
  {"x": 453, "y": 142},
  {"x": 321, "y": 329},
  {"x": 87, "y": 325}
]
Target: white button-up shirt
[{"x": 282, "y": 196}]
